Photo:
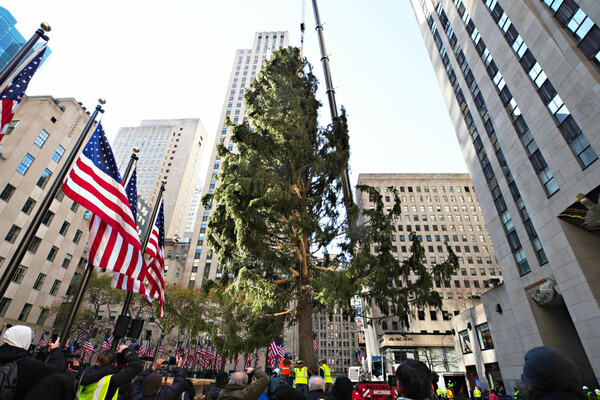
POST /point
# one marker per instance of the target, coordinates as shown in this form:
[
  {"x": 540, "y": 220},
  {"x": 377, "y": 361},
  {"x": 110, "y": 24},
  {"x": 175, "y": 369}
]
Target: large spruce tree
[{"x": 279, "y": 226}]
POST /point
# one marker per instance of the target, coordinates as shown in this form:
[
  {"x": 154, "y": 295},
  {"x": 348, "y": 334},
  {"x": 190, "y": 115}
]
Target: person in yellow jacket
[
  {"x": 301, "y": 377},
  {"x": 449, "y": 394},
  {"x": 477, "y": 392},
  {"x": 440, "y": 393},
  {"x": 325, "y": 373}
]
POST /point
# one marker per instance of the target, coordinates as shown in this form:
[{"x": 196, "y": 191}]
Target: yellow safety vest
[
  {"x": 440, "y": 392},
  {"x": 477, "y": 393},
  {"x": 301, "y": 376},
  {"x": 449, "y": 394},
  {"x": 326, "y": 373},
  {"x": 97, "y": 390}
]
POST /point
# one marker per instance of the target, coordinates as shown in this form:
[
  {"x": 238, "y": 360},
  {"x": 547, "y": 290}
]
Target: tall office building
[
  {"x": 520, "y": 80},
  {"x": 35, "y": 147},
  {"x": 11, "y": 40},
  {"x": 438, "y": 208},
  {"x": 246, "y": 65},
  {"x": 170, "y": 149}
]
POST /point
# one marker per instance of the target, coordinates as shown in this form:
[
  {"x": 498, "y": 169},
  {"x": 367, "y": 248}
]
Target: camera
[{"x": 171, "y": 361}]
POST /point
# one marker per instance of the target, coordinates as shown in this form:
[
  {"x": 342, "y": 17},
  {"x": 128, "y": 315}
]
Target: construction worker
[
  {"x": 285, "y": 365},
  {"x": 325, "y": 373},
  {"x": 516, "y": 394},
  {"x": 597, "y": 391},
  {"x": 301, "y": 377},
  {"x": 477, "y": 392},
  {"x": 588, "y": 393},
  {"x": 440, "y": 393},
  {"x": 449, "y": 394}
]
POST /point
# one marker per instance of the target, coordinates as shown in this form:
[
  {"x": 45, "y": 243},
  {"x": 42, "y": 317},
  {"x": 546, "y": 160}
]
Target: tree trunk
[{"x": 305, "y": 329}]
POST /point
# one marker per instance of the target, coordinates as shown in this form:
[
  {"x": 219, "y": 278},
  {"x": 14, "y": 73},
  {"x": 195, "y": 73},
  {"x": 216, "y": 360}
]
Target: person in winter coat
[
  {"x": 342, "y": 389},
  {"x": 220, "y": 382},
  {"x": 30, "y": 371},
  {"x": 148, "y": 384},
  {"x": 414, "y": 380},
  {"x": 239, "y": 389},
  {"x": 316, "y": 388},
  {"x": 104, "y": 377}
]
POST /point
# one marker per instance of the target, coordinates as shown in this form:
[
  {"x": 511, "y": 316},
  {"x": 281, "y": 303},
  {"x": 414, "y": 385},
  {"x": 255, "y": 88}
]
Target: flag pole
[
  {"x": 144, "y": 243},
  {"x": 14, "y": 63},
  {"x": 36, "y": 221},
  {"x": 87, "y": 273}
]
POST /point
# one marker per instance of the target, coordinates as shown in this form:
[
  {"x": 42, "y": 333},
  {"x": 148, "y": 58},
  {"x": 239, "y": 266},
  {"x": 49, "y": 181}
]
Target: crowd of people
[{"x": 547, "y": 375}]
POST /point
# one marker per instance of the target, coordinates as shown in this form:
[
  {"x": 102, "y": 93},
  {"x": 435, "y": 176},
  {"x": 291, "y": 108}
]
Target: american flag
[
  {"x": 67, "y": 343},
  {"x": 360, "y": 356},
  {"x": 209, "y": 355},
  {"x": 218, "y": 360},
  {"x": 150, "y": 352},
  {"x": 256, "y": 358},
  {"x": 248, "y": 362},
  {"x": 88, "y": 346},
  {"x": 177, "y": 351},
  {"x": 121, "y": 281},
  {"x": 198, "y": 357},
  {"x": 142, "y": 350},
  {"x": 94, "y": 183},
  {"x": 186, "y": 353},
  {"x": 156, "y": 260},
  {"x": 107, "y": 342},
  {"x": 82, "y": 334},
  {"x": 42, "y": 342},
  {"x": 237, "y": 361},
  {"x": 160, "y": 351},
  {"x": 315, "y": 343},
  {"x": 11, "y": 95},
  {"x": 274, "y": 353}
]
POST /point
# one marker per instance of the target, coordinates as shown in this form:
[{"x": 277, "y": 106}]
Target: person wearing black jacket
[
  {"x": 148, "y": 384},
  {"x": 104, "y": 366},
  {"x": 30, "y": 371}
]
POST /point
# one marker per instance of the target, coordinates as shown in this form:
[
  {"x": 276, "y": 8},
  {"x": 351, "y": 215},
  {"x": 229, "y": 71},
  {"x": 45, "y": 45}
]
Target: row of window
[
  {"x": 567, "y": 125},
  {"x": 426, "y": 189},
  {"x": 488, "y": 172},
  {"x": 536, "y": 158}
]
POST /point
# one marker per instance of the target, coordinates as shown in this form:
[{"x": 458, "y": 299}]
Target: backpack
[{"x": 8, "y": 380}]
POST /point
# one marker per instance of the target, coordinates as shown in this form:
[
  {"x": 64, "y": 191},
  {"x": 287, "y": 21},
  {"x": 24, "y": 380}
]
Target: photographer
[
  {"x": 239, "y": 389},
  {"x": 102, "y": 381},
  {"x": 148, "y": 384},
  {"x": 30, "y": 371}
]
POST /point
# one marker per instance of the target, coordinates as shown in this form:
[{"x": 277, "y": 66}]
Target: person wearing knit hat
[
  {"x": 30, "y": 371},
  {"x": 148, "y": 384},
  {"x": 548, "y": 374}
]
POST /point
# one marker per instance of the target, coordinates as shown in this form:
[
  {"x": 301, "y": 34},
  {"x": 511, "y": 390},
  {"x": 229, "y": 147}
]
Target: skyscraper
[
  {"x": 520, "y": 81},
  {"x": 11, "y": 40},
  {"x": 170, "y": 149},
  {"x": 35, "y": 147},
  {"x": 439, "y": 209},
  {"x": 246, "y": 65}
]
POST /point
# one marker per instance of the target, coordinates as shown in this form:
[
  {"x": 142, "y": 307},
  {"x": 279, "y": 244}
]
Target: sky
[{"x": 154, "y": 59}]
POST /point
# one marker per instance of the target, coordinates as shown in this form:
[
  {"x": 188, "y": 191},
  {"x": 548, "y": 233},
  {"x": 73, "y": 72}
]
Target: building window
[
  {"x": 41, "y": 139},
  {"x": 112, "y": 316},
  {"x": 25, "y": 312},
  {"x": 18, "y": 277},
  {"x": 67, "y": 260},
  {"x": 58, "y": 153},
  {"x": 44, "y": 178},
  {"x": 43, "y": 315},
  {"x": 77, "y": 236},
  {"x": 28, "y": 206},
  {"x": 12, "y": 234},
  {"x": 52, "y": 253},
  {"x": 35, "y": 244},
  {"x": 55, "y": 287},
  {"x": 4, "y": 304},
  {"x": 13, "y": 124},
  {"x": 433, "y": 315},
  {"x": 465, "y": 342},
  {"x": 7, "y": 192},
  {"x": 485, "y": 337},
  {"x": 39, "y": 282},
  {"x": 74, "y": 207},
  {"x": 421, "y": 315},
  {"x": 64, "y": 228},
  {"x": 47, "y": 220},
  {"x": 25, "y": 164}
]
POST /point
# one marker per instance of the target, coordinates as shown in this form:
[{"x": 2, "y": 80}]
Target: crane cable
[{"x": 302, "y": 25}]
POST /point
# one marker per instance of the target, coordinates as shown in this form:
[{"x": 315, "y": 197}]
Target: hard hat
[
  {"x": 585, "y": 388},
  {"x": 287, "y": 354},
  {"x": 597, "y": 390},
  {"x": 277, "y": 370},
  {"x": 299, "y": 362}
]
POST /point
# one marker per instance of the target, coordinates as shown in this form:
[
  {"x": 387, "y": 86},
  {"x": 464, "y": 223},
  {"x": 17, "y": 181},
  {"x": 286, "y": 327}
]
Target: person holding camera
[
  {"x": 102, "y": 381},
  {"x": 30, "y": 371},
  {"x": 148, "y": 384},
  {"x": 239, "y": 389}
]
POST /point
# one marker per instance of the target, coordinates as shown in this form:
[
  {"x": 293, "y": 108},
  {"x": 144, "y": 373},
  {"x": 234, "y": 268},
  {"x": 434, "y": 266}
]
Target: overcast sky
[{"x": 154, "y": 59}]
